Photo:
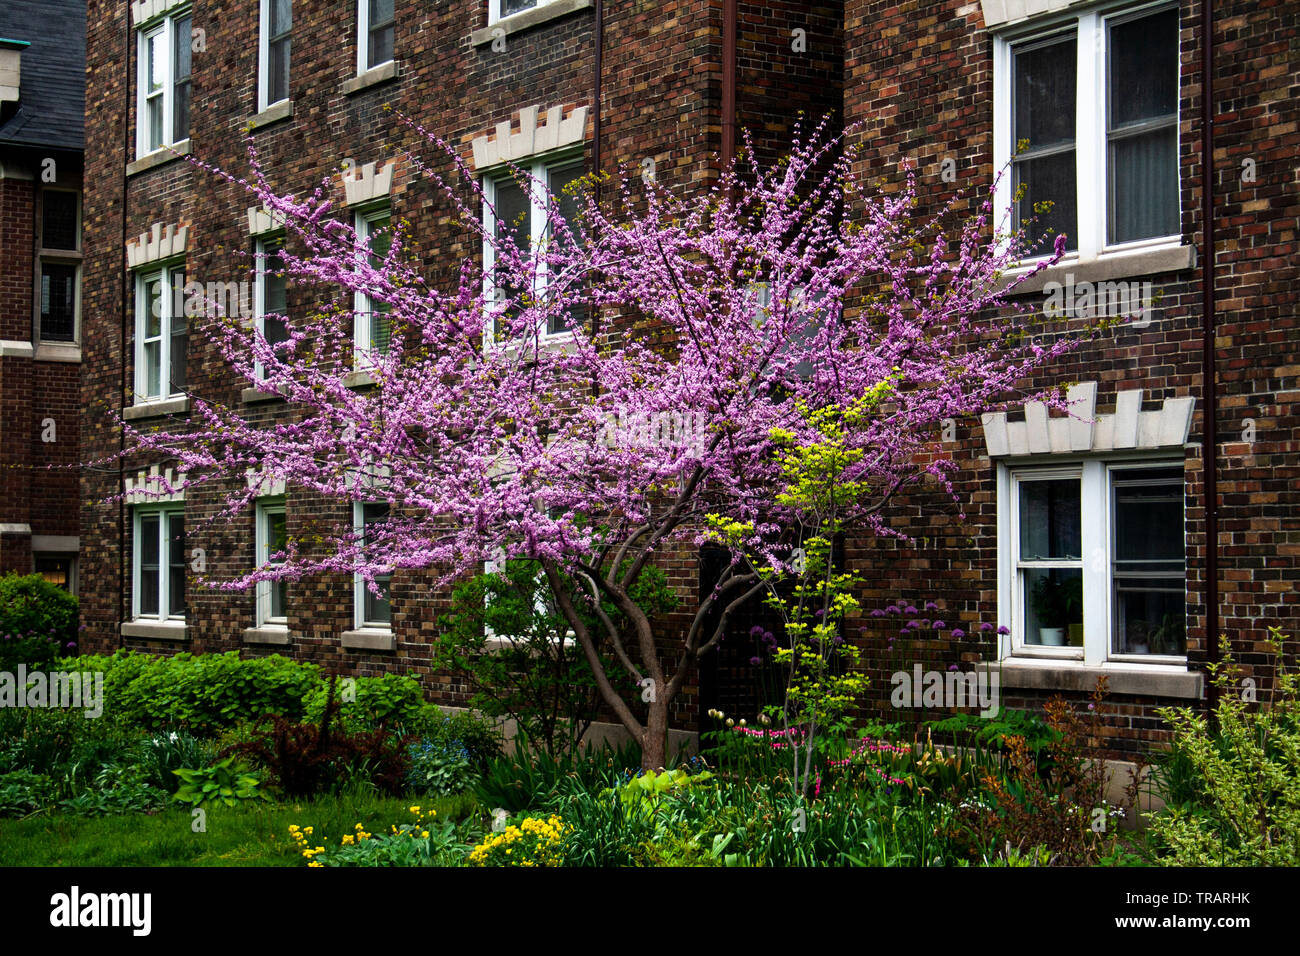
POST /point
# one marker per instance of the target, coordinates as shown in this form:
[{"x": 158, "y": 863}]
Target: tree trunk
[{"x": 654, "y": 743}]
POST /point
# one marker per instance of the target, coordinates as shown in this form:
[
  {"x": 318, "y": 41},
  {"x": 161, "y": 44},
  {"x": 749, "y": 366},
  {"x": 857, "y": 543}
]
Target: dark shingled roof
[{"x": 52, "y": 97}]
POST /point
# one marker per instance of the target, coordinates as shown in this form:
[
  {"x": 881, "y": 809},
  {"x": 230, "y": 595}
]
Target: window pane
[
  {"x": 1149, "y": 575},
  {"x": 514, "y": 222},
  {"x": 153, "y": 305},
  {"x": 58, "y": 302},
  {"x": 376, "y": 610},
  {"x": 1144, "y": 186},
  {"x": 278, "y": 82},
  {"x": 1053, "y": 601},
  {"x": 275, "y": 542},
  {"x": 59, "y": 220},
  {"x": 1044, "y": 92},
  {"x": 176, "y": 564},
  {"x": 153, "y": 369},
  {"x": 381, "y": 240},
  {"x": 1050, "y": 520},
  {"x": 381, "y": 42},
  {"x": 564, "y": 185},
  {"x": 154, "y": 119},
  {"x": 1144, "y": 68},
  {"x": 179, "y": 341},
  {"x": 181, "y": 116},
  {"x": 184, "y": 29},
  {"x": 381, "y": 12},
  {"x": 514, "y": 6},
  {"x": 281, "y": 18},
  {"x": 274, "y": 293},
  {"x": 1043, "y": 113},
  {"x": 1048, "y": 179},
  {"x": 157, "y": 56},
  {"x": 148, "y": 543}
]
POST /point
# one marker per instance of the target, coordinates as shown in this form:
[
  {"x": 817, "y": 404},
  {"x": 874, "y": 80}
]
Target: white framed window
[
  {"x": 518, "y": 210},
  {"x": 1093, "y": 97},
  {"x": 271, "y": 539},
  {"x": 58, "y": 569},
  {"x": 59, "y": 267},
  {"x": 372, "y": 329},
  {"x": 371, "y": 611},
  {"x": 160, "y": 332},
  {"x": 274, "y": 45},
  {"x": 500, "y": 9},
  {"x": 158, "y": 562},
  {"x": 542, "y": 606},
  {"x": 269, "y": 293},
  {"x": 163, "y": 82},
  {"x": 376, "y": 24},
  {"x": 1092, "y": 564}
]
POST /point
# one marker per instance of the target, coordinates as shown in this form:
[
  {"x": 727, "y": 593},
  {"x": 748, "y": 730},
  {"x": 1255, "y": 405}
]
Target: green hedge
[
  {"x": 207, "y": 693},
  {"x": 37, "y": 621}
]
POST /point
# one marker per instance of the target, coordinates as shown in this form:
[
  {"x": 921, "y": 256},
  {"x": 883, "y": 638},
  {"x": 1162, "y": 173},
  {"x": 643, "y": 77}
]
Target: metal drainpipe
[
  {"x": 1209, "y": 390},
  {"x": 729, "y": 16},
  {"x": 597, "y": 92},
  {"x": 121, "y": 397}
]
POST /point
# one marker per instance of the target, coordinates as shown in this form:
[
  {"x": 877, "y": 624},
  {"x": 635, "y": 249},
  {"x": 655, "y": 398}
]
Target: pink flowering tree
[{"x": 698, "y": 332}]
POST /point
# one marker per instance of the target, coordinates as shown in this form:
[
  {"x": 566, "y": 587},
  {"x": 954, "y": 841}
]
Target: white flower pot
[{"x": 1054, "y": 636}]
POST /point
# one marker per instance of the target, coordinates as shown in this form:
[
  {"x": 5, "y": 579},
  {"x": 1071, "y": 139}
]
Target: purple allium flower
[
  {"x": 756, "y": 630},
  {"x": 931, "y": 606},
  {"x": 938, "y": 625},
  {"x": 1092, "y": 706},
  {"x": 952, "y": 667},
  {"x": 986, "y": 626},
  {"x": 756, "y": 661},
  {"x": 892, "y": 609},
  {"x": 1004, "y": 629},
  {"x": 909, "y": 610},
  {"x": 877, "y": 612},
  {"x": 957, "y": 632}
]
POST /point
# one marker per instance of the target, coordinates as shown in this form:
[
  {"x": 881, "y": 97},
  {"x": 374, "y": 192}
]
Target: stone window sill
[
  {"x": 1126, "y": 264},
  {"x": 267, "y": 634},
  {"x": 369, "y": 639},
  {"x": 57, "y": 352},
  {"x": 155, "y": 630},
  {"x": 1131, "y": 680},
  {"x": 159, "y": 157},
  {"x": 358, "y": 379},
  {"x": 170, "y": 406},
  {"x": 372, "y": 77},
  {"x": 527, "y": 19},
  {"x": 249, "y": 395},
  {"x": 272, "y": 114}
]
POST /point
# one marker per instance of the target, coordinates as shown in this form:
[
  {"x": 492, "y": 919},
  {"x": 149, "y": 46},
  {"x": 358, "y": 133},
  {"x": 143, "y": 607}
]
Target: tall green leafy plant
[{"x": 1244, "y": 809}]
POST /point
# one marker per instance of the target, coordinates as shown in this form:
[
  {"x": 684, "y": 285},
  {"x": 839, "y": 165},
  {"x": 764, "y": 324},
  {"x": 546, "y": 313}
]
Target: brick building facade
[
  {"x": 42, "y": 59},
  {"x": 517, "y": 80}
]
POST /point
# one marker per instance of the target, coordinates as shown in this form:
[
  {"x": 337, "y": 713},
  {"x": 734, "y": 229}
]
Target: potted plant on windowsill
[{"x": 1058, "y": 603}]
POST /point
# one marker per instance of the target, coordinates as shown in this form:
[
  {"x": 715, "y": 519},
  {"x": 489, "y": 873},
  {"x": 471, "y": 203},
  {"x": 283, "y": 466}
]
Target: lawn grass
[{"x": 253, "y": 835}]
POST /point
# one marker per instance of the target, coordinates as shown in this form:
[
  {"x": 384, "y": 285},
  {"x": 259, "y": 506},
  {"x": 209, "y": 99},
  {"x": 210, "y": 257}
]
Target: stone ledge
[
  {"x": 58, "y": 352},
  {"x": 1186, "y": 685},
  {"x": 154, "y": 630},
  {"x": 372, "y": 77},
  {"x": 1126, "y": 265},
  {"x": 358, "y": 379},
  {"x": 249, "y": 395},
  {"x": 12, "y": 348},
  {"x": 159, "y": 157},
  {"x": 171, "y": 406},
  {"x": 272, "y": 114},
  {"x": 15, "y": 528},
  {"x": 369, "y": 640},
  {"x": 528, "y": 19},
  {"x": 266, "y": 635}
]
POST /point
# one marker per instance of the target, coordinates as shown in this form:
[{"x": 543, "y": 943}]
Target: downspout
[
  {"x": 121, "y": 395},
  {"x": 729, "y": 14},
  {"x": 1209, "y": 438},
  {"x": 597, "y": 93}
]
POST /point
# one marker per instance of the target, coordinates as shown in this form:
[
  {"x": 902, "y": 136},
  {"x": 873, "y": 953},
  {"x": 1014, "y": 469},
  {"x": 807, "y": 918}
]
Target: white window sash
[
  {"x": 163, "y": 514},
  {"x": 1097, "y": 544},
  {"x": 538, "y": 171},
  {"x": 359, "y": 589},
  {"x": 1090, "y": 141},
  {"x": 167, "y": 27},
  {"x": 264, "y": 512},
  {"x": 167, "y": 298},
  {"x": 259, "y": 292},
  {"x": 362, "y": 304}
]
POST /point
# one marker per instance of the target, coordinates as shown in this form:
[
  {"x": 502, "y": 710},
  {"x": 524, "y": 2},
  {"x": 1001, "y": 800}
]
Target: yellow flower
[
  {"x": 425, "y": 835},
  {"x": 316, "y": 863}
]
